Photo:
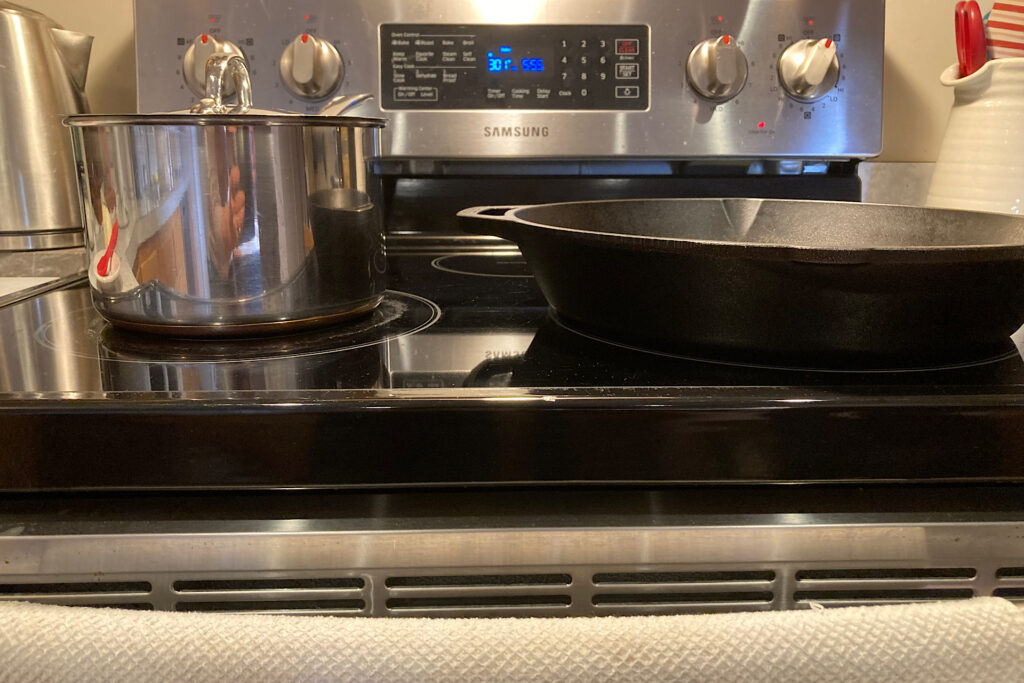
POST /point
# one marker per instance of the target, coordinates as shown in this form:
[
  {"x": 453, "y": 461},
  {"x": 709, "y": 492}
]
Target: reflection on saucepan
[
  {"x": 347, "y": 230},
  {"x": 346, "y": 356},
  {"x": 130, "y": 362}
]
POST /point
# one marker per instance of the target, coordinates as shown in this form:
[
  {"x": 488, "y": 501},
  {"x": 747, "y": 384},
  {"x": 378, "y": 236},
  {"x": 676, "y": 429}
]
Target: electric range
[
  {"x": 464, "y": 377},
  {"x": 462, "y": 452}
]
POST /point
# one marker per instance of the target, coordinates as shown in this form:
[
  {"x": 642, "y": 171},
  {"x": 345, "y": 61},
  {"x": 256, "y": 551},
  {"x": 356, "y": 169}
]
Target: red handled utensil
[
  {"x": 103, "y": 266},
  {"x": 971, "y": 48}
]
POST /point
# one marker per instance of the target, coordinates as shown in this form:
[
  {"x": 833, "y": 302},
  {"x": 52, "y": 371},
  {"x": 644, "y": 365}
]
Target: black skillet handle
[{"x": 490, "y": 220}]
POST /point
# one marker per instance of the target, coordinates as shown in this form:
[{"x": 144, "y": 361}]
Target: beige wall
[
  {"x": 919, "y": 44},
  {"x": 110, "y": 85}
]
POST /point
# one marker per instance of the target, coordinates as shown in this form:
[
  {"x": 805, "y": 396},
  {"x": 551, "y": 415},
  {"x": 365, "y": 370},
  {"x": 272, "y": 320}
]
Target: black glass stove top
[{"x": 463, "y": 376}]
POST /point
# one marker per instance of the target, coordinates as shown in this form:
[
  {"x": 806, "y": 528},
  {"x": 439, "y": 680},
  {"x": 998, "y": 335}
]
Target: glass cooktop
[{"x": 464, "y": 376}]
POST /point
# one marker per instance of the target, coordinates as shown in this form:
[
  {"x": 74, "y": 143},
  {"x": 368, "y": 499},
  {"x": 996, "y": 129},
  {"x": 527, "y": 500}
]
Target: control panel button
[
  {"x": 193, "y": 65},
  {"x": 311, "y": 67},
  {"x": 628, "y": 92},
  {"x": 627, "y": 46},
  {"x": 717, "y": 69},
  {"x": 627, "y": 71},
  {"x": 809, "y": 69}
]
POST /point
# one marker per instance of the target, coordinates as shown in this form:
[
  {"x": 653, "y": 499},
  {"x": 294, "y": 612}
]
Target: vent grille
[
  {"x": 577, "y": 591},
  {"x": 578, "y": 571}
]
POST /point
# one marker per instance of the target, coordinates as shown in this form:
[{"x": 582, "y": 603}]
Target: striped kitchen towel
[{"x": 1005, "y": 29}]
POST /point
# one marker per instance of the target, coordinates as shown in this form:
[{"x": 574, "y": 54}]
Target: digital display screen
[{"x": 506, "y": 59}]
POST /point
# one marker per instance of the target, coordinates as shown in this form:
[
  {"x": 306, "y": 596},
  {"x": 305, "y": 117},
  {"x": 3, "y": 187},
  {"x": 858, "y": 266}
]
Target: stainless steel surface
[
  {"x": 778, "y": 562},
  {"x": 231, "y": 223},
  {"x": 54, "y": 262},
  {"x": 193, "y": 63},
  {"x": 809, "y": 69},
  {"x": 42, "y": 79},
  {"x": 311, "y": 68},
  {"x": 717, "y": 69},
  {"x": 677, "y": 124},
  {"x": 902, "y": 183},
  {"x": 42, "y": 240}
]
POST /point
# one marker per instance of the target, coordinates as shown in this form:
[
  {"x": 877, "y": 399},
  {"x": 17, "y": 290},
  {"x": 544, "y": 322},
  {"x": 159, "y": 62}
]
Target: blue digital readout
[{"x": 505, "y": 63}]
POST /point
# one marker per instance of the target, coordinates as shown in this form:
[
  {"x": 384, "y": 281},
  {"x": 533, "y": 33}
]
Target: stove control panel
[
  {"x": 574, "y": 79},
  {"x": 481, "y": 66}
]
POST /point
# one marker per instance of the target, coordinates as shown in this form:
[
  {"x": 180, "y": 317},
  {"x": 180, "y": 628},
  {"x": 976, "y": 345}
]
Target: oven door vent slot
[
  {"x": 121, "y": 594},
  {"x": 886, "y": 574},
  {"x": 481, "y": 602},
  {"x": 1010, "y": 573},
  {"x": 472, "y": 580},
  {"x": 835, "y": 598},
  {"x": 352, "y": 606},
  {"x": 700, "y": 598},
  {"x": 684, "y": 577},
  {"x": 267, "y": 584}
]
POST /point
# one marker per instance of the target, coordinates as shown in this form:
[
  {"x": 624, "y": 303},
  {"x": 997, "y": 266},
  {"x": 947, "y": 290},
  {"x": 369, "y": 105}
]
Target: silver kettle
[{"x": 42, "y": 80}]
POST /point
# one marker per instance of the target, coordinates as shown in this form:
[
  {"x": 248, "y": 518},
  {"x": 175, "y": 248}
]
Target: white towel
[{"x": 973, "y": 641}]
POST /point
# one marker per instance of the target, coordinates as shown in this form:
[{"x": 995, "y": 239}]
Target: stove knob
[
  {"x": 311, "y": 67},
  {"x": 808, "y": 69},
  {"x": 717, "y": 69},
  {"x": 194, "y": 64}
]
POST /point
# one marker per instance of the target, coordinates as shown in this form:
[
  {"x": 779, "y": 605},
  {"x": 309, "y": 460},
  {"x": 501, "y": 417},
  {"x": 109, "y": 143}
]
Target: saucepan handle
[{"x": 490, "y": 220}]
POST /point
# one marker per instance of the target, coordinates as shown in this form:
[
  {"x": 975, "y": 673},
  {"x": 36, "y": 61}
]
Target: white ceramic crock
[{"x": 981, "y": 160}]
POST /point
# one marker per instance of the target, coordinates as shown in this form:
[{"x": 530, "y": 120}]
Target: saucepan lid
[{"x": 212, "y": 110}]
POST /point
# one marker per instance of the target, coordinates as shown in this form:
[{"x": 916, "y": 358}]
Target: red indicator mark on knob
[
  {"x": 204, "y": 38},
  {"x": 305, "y": 37},
  {"x": 727, "y": 39}
]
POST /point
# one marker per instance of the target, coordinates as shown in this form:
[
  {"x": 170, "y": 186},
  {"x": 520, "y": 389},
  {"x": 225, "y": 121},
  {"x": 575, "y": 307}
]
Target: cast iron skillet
[{"x": 795, "y": 283}]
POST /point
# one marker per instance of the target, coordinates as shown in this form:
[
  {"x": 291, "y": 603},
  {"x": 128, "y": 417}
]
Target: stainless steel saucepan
[{"x": 228, "y": 221}]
